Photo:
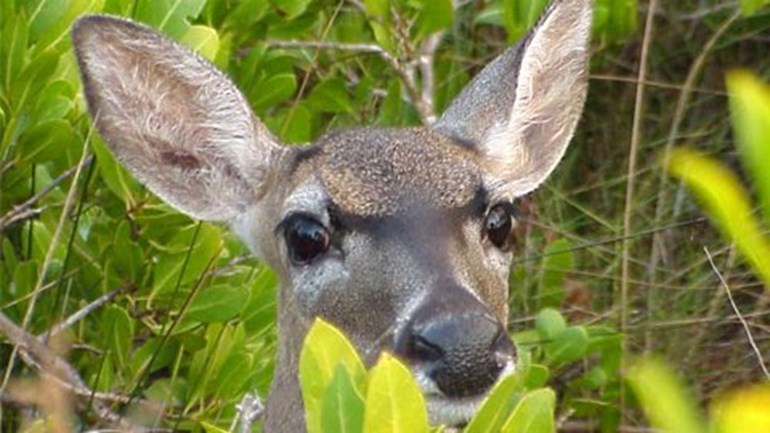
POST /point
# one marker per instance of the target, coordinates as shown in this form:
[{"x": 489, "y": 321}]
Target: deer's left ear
[{"x": 521, "y": 111}]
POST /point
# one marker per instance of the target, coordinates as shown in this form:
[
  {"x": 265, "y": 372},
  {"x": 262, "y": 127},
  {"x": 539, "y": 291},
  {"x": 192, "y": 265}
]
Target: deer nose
[{"x": 463, "y": 353}]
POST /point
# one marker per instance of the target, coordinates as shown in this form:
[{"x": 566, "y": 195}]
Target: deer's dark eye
[
  {"x": 498, "y": 225},
  {"x": 306, "y": 239}
]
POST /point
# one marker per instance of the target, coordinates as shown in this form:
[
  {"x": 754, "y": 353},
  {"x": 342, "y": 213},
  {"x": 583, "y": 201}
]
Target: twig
[
  {"x": 68, "y": 202},
  {"x": 23, "y": 211},
  {"x": 738, "y": 314},
  {"x": 40, "y": 356},
  {"x": 250, "y": 409},
  {"x": 83, "y": 312},
  {"x": 339, "y": 46},
  {"x": 426, "y": 61}
]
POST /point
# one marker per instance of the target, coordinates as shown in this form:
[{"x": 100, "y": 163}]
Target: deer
[{"x": 400, "y": 237}]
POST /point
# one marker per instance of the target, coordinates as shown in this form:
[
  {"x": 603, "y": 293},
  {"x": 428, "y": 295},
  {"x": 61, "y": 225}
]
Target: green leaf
[
  {"x": 292, "y": 8},
  {"x": 186, "y": 253},
  {"x": 519, "y": 16},
  {"x": 324, "y": 349},
  {"x": 390, "y": 110},
  {"x": 331, "y": 96},
  {"x": 247, "y": 12},
  {"x": 118, "y": 334},
  {"x": 750, "y": 109},
  {"x": 556, "y": 264},
  {"x": 550, "y": 323},
  {"x": 211, "y": 428},
  {"x": 377, "y": 8},
  {"x": 497, "y": 407},
  {"x": 435, "y": 15},
  {"x": 394, "y": 403},
  {"x": 537, "y": 376},
  {"x": 298, "y": 121},
  {"x": 274, "y": 90},
  {"x": 726, "y": 202},
  {"x": 118, "y": 180},
  {"x": 750, "y": 7},
  {"x": 533, "y": 414},
  {"x": 230, "y": 378},
  {"x": 218, "y": 303},
  {"x": 615, "y": 20},
  {"x": 203, "y": 40},
  {"x": 44, "y": 13},
  {"x": 168, "y": 16},
  {"x": 569, "y": 345},
  {"x": 342, "y": 407},
  {"x": 664, "y": 399}
]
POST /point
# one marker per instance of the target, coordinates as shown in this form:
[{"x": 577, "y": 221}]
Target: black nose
[{"x": 462, "y": 351}]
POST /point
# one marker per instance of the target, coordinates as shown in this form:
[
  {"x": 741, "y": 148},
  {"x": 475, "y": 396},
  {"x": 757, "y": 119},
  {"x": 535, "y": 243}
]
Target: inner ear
[
  {"x": 521, "y": 111},
  {"x": 175, "y": 121}
]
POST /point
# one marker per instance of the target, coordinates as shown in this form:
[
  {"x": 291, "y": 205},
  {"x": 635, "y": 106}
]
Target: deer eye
[
  {"x": 498, "y": 225},
  {"x": 306, "y": 239}
]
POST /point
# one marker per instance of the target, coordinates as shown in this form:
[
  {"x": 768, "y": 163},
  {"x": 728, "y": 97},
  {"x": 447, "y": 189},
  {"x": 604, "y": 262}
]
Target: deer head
[{"x": 399, "y": 237}]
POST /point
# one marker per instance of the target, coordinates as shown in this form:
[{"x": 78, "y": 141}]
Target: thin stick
[
  {"x": 68, "y": 203},
  {"x": 53, "y": 365},
  {"x": 24, "y": 210},
  {"x": 636, "y": 133},
  {"x": 83, "y": 312},
  {"x": 356, "y": 48},
  {"x": 738, "y": 314}
]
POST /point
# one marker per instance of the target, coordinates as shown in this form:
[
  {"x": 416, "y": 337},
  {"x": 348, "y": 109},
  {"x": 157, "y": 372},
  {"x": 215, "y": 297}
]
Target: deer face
[{"x": 400, "y": 237}]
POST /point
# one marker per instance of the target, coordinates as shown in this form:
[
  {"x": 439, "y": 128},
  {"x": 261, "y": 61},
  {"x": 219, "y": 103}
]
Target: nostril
[{"x": 420, "y": 349}]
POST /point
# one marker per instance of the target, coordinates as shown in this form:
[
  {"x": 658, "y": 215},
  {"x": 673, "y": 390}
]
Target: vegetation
[{"x": 170, "y": 323}]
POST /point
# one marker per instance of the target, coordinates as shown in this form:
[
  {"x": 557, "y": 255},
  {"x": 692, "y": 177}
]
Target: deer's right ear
[{"x": 178, "y": 124}]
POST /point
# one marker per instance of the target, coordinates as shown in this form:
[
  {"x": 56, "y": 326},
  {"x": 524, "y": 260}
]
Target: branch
[
  {"x": 738, "y": 314},
  {"x": 25, "y": 211},
  {"x": 83, "y": 312},
  {"x": 36, "y": 354}
]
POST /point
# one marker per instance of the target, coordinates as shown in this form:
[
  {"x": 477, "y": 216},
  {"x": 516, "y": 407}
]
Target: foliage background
[{"x": 188, "y": 320}]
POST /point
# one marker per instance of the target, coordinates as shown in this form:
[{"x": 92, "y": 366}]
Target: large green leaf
[
  {"x": 186, "y": 257},
  {"x": 750, "y": 109},
  {"x": 292, "y": 8},
  {"x": 118, "y": 334},
  {"x": 342, "y": 408},
  {"x": 218, "y": 303},
  {"x": 550, "y": 323},
  {"x": 533, "y": 414},
  {"x": 394, "y": 403},
  {"x": 728, "y": 204},
  {"x": 203, "y": 40},
  {"x": 331, "y": 96},
  {"x": 170, "y": 16},
  {"x": 435, "y": 15},
  {"x": 497, "y": 407},
  {"x": 273, "y": 90},
  {"x": 569, "y": 345},
  {"x": 324, "y": 349},
  {"x": 664, "y": 399}
]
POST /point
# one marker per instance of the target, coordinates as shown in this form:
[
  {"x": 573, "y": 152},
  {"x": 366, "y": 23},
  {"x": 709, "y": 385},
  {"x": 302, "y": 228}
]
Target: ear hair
[
  {"x": 522, "y": 109},
  {"x": 178, "y": 124}
]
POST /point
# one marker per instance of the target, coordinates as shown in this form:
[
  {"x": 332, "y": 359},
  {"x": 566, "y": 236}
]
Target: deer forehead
[{"x": 385, "y": 172}]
